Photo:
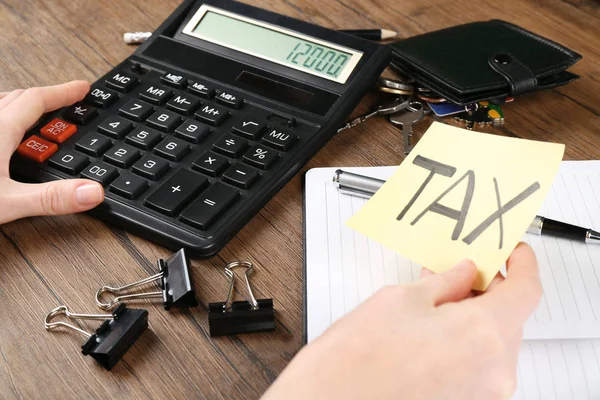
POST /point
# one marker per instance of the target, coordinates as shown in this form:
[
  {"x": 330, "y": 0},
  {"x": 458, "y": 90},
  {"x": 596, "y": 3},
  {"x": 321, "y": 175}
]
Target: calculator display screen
[{"x": 273, "y": 43}]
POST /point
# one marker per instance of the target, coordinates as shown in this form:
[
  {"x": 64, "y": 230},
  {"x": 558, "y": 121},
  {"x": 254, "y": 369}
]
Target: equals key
[{"x": 212, "y": 203}]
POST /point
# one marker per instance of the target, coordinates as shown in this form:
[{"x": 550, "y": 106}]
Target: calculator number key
[
  {"x": 37, "y": 149},
  {"x": 151, "y": 167},
  {"x": 136, "y": 110},
  {"x": 280, "y": 139},
  {"x": 230, "y": 145},
  {"x": 249, "y": 128},
  {"x": 122, "y": 82},
  {"x": 210, "y": 163},
  {"x": 144, "y": 138},
  {"x": 129, "y": 186},
  {"x": 213, "y": 202},
  {"x": 100, "y": 172},
  {"x": 93, "y": 144},
  {"x": 172, "y": 195},
  {"x": 192, "y": 131},
  {"x": 261, "y": 157},
  {"x": 164, "y": 120},
  {"x": 212, "y": 115},
  {"x": 115, "y": 127},
  {"x": 80, "y": 113},
  {"x": 155, "y": 94},
  {"x": 101, "y": 97},
  {"x": 241, "y": 175},
  {"x": 122, "y": 156},
  {"x": 172, "y": 149},
  {"x": 68, "y": 161},
  {"x": 184, "y": 104},
  {"x": 229, "y": 99}
]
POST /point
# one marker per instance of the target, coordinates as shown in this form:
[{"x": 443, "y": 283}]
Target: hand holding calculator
[{"x": 205, "y": 122}]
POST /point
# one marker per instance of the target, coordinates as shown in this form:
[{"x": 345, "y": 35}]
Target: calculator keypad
[{"x": 181, "y": 150}]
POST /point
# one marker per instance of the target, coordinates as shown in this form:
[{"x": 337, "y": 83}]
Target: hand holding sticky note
[{"x": 461, "y": 194}]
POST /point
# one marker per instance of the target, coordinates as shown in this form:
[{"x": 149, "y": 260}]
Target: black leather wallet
[{"x": 482, "y": 61}]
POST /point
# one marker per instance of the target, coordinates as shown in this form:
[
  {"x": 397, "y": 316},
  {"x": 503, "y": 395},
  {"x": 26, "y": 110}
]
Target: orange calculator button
[
  {"x": 58, "y": 130},
  {"x": 37, "y": 148}
]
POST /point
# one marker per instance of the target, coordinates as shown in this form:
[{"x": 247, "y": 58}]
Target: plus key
[{"x": 178, "y": 190}]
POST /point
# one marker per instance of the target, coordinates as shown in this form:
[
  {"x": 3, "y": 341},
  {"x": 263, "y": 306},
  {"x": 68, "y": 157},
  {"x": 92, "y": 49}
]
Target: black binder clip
[
  {"x": 112, "y": 339},
  {"x": 177, "y": 288},
  {"x": 240, "y": 316}
]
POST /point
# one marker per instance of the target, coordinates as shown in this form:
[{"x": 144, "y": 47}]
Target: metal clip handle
[
  {"x": 65, "y": 311},
  {"x": 231, "y": 275},
  {"x": 116, "y": 290}
]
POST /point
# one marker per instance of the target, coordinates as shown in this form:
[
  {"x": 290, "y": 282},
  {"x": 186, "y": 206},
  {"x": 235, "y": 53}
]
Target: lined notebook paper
[{"x": 343, "y": 268}]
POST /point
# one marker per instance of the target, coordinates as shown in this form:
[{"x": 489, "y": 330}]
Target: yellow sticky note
[{"x": 461, "y": 194}]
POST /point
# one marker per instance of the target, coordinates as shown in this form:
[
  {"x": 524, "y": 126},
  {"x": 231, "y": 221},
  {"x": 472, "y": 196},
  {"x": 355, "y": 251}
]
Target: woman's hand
[
  {"x": 427, "y": 340},
  {"x": 19, "y": 110}
]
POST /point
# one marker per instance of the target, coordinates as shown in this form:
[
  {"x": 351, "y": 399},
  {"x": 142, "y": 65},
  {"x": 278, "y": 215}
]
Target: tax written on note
[{"x": 461, "y": 194}]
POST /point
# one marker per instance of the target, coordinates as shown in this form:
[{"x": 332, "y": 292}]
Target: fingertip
[
  {"x": 524, "y": 258},
  {"x": 89, "y": 194},
  {"x": 81, "y": 84},
  {"x": 76, "y": 90},
  {"x": 426, "y": 272}
]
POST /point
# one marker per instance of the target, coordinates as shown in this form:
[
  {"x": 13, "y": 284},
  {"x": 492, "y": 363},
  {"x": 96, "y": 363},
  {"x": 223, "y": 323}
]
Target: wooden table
[{"x": 45, "y": 262}]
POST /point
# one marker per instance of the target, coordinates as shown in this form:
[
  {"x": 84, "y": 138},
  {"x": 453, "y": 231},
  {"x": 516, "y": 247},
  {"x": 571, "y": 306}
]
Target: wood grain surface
[{"x": 45, "y": 262}]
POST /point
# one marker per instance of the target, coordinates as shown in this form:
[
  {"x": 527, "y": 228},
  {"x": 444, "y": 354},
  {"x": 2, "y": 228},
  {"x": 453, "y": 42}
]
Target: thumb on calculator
[
  {"x": 19, "y": 200},
  {"x": 19, "y": 110}
]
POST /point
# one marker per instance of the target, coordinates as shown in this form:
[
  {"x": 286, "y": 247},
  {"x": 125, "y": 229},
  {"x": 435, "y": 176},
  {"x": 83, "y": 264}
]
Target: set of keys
[
  {"x": 414, "y": 102},
  {"x": 402, "y": 112}
]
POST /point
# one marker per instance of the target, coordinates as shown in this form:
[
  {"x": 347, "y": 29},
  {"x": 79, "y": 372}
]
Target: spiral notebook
[{"x": 560, "y": 354}]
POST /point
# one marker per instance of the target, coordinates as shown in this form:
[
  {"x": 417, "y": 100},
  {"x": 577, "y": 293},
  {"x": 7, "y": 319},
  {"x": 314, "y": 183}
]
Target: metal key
[
  {"x": 406, "y": 120},
  {"x": 385, "y": 109}
]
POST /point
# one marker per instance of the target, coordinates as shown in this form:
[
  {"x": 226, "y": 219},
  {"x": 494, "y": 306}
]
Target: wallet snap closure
[{"x": 519, "y": 77}]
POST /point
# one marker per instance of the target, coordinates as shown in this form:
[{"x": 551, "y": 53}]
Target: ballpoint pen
[{"x": 365, "y": 187}]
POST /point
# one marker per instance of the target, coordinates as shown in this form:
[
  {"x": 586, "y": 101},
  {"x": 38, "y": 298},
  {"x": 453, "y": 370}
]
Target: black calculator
[{"x": 201, "y": 126}]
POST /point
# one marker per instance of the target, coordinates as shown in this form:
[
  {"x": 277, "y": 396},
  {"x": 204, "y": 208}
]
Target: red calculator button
[
  {"x": 37, "y": 148},
  {"x": 58, "y": 130}
]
